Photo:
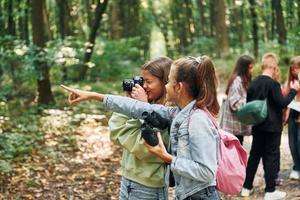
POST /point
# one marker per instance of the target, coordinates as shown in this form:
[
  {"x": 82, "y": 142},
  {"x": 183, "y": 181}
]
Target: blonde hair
[{"x": 267, "y": 56}]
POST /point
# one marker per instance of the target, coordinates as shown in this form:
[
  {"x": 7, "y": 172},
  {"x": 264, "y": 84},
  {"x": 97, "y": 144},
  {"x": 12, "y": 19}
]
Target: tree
[
  {"x": 92, "y": 36},
  {"x": 222, "y": 36},
  {"x": 115, "y": 31},
  {"x": 11, "y": 24},
  {"x": 23, "y": 19},
  {"x": 254, "y": 27},
  {"x": 202, "y": 23},
  {"x": 280, "y": 27},
  {"x": 45, "y": 95}
]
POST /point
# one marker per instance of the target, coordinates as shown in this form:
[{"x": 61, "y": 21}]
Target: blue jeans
[
  {"x": 294, "y": 142},
  {"x": 131, "y": 190},
  {"x": 209, "y": 193}
]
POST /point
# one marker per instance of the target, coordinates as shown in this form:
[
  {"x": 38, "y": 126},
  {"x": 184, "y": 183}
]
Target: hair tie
[{"x": 199, "y": 60}]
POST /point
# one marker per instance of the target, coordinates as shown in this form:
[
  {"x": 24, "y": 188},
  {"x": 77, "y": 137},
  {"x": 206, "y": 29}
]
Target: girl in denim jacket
[{"x": 194, "y": 139}]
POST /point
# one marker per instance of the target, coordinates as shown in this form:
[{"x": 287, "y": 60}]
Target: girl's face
[
  {"x": 172, "y": 95},
  {"x": 295, "y": 70},
  {"x": 251, "y": 66},
  {"x": 153, "y": 86}
]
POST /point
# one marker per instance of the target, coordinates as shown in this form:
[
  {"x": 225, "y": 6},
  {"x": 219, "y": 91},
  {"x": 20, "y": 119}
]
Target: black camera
[
  {"x": 152, "y": 120},
  {"x": 128, "y": 84}
]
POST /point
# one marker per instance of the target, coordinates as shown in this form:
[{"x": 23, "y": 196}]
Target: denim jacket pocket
[{"x": 183, "y": 137}]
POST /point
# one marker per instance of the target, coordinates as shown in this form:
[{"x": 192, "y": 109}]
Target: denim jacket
[{"x": 194, "y": 142}]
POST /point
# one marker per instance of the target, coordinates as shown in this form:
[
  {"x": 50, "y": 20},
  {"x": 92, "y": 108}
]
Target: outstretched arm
[
  {"x": 124, "y": 105},
  {"x": 77, "y": 95}
]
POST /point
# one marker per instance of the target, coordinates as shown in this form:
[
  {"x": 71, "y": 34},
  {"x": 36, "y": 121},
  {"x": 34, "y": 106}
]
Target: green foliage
[
  {"x": 202, "y": 45},
  {"x": 5, "y": 166},
  {"x": 116, "y": 59}
]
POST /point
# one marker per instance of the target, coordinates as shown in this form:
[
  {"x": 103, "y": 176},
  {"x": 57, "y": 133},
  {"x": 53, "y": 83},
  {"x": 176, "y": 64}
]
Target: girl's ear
[{"x": 180, "y": 88}]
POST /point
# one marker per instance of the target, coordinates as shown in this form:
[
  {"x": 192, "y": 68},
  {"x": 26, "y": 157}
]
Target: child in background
[{"x": 236, "y": 92}]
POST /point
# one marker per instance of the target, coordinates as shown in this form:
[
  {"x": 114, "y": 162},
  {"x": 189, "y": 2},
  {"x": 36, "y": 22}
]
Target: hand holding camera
[
  {"x": 134, "y": 88},
  {"x": 152, "y": 120}
]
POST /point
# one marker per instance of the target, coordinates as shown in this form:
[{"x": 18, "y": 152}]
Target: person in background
[
  {"x": 194, "y": 139},
  {"x": 236, "y": 92},
  {"x": 267, "y": 135},
  {"x": 142, "y": 172},
  {"x": 293, "y": 118}
]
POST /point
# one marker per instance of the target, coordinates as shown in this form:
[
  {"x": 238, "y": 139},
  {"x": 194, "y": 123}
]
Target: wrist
[
  {"x": 167, "y": 158},
  {"x": 97, "y": 96}
]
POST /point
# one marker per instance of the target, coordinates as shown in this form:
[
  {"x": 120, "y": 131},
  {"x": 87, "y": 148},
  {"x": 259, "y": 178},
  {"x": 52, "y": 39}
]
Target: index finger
[{"x": 67, "y": 88}]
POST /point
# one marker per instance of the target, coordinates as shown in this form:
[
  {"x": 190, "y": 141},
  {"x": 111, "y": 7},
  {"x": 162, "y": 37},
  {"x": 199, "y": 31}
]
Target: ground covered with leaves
[{"x": 70, "y": 156}]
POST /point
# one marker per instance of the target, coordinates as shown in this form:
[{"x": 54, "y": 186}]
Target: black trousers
[{"x": 265, "y": 145}]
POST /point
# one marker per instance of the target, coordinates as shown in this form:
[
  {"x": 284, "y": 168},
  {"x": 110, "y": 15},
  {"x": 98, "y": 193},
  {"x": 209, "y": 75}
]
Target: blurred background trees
[
  {"x": 44, "y": 43},
  {"x": 95, "y": 44}
]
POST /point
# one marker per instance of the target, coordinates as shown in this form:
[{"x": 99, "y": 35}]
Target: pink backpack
[{"x": 232, "y": 161}]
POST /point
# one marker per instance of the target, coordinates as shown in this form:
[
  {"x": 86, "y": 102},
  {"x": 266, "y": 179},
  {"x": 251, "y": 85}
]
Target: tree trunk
[
  {"x": 202, "y": 17},
  {"x": 115, "y": 22},
  {"x": 87, "y": 6},
  {"x": 238, "y": 12},
  {"x": 48, "y": 33},
  {"x": 2, "y": 22},
  {"x": 222, "y": 36},
  {"x": 45, "y": 95},
  {"x": 273, "y": 20},
  {"x": 23, "y": 22},
  {"x": 91, "y": 41},
  {"x": 290, "y": 13},
  {"x": 61, "y": 18},
  {"x": 213, "y": 18},
  {"x": 62, "y": 27},
  {"x": 254, "y": 27},
  {"x": 280, "y": 27},
  {"x": 11, "y": 25}
]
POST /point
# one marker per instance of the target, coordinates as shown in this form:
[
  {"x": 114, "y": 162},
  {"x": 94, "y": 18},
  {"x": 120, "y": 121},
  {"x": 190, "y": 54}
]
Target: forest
[{"x": 94, "y": 45}]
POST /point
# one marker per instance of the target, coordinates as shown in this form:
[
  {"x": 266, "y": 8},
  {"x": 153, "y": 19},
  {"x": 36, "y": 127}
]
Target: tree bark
[
  {"x": 115, "y": 22},
  {"x": 290, "y": 13},
  {"x": 212, "y": 15},
  {"x": 45, "y": 95},
  {"x": 23, "y": 22},
  {"x": 273, "y": 20},
  {"x": 91, "y": 41},
  {"x": 11, "y": 24},
  {"x": 61, "y": 18},
  {"x": 222, "y": 36},
  {"x": 254, "y": 27},
  {"x": 48, "y": 32},
  {"x": 280, "y": 27},
  {"x": 202, "y": 23}
]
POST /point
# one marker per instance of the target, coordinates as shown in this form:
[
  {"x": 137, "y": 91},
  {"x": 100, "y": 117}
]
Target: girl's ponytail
[{"x": 206, "y": 84}]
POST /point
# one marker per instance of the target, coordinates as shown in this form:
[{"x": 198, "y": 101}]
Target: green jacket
[{"x": 138, "y": 164}]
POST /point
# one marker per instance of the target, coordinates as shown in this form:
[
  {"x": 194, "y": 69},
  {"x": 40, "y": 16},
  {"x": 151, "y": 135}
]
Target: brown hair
[
  {"x": 295, "y": 61},
  {"x": 241, "y": 69},
  {"x": 199, "y": 74},
  {"x": 160, "y": 68}
]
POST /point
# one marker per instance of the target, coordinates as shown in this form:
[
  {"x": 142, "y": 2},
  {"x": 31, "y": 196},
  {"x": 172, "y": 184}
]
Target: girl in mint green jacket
[{"x": 142, "y": 171}]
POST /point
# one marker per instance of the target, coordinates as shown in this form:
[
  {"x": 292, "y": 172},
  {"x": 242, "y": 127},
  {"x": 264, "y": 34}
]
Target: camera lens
[{"x": 127, "y": 85}]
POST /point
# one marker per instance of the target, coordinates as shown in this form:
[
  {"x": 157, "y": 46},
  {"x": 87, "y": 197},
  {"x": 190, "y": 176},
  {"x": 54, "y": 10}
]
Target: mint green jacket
[{"x": 137, "y": 163}]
